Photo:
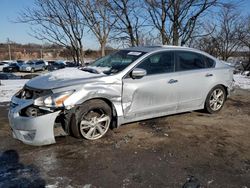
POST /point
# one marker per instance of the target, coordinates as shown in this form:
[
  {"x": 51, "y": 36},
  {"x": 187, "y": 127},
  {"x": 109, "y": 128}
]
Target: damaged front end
[{"x": 30, "y": 123}]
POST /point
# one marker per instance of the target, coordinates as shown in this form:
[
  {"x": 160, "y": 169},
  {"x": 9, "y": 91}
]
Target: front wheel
[
  {"x": 215, "y": 99},
  {"x": 91, "y": 120}
]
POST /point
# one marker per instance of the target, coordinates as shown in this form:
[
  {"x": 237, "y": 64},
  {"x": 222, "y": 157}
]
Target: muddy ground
[{"x": 161, "y": 152}]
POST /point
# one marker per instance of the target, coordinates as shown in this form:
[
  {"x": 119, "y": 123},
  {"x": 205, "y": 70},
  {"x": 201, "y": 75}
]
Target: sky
[{"x": 20, "y": 33}]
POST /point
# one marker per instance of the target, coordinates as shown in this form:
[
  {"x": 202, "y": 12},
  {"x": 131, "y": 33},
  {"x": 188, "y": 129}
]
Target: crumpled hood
[{"x": 61, "y": 78}]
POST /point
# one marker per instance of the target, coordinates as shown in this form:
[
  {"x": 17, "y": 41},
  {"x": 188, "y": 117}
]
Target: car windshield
[{"x": 116, "y": 62}]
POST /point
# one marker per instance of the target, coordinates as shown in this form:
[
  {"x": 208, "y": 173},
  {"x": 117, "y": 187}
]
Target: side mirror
[{"x": 138, "y": 73}]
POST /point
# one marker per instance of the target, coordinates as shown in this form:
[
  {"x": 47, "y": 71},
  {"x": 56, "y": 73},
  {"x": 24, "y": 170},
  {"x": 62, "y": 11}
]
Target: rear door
[
  {"x": 195, "y": 78},
  {"x": 154, "y": 94}
]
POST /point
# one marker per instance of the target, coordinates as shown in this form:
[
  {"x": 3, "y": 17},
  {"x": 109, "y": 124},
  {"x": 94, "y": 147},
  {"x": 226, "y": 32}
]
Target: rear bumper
[{"x": 31, "y": 130}]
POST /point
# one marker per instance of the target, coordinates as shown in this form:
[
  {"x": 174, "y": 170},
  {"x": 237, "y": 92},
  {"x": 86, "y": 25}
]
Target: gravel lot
[{"x": 161, "y": 152}]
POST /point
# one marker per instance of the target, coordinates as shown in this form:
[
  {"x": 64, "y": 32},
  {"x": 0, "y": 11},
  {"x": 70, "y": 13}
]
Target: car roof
[
  {"x": 148, "y": 49},
  {"x": 160, "y": 47}
]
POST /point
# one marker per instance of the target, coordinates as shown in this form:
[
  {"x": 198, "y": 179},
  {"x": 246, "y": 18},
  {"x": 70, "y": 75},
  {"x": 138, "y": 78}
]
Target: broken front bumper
[{"x": 31, "y": 130}]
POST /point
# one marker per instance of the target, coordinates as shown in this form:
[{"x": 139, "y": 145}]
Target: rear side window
[
  {"x": 162, "y": 62},
  {"x": 189, "y": 61},
  {"x": 210, "y": 62}
]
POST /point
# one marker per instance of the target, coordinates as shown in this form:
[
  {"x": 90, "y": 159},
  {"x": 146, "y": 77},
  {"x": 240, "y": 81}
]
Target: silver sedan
[{"x": 129, "y": 85}]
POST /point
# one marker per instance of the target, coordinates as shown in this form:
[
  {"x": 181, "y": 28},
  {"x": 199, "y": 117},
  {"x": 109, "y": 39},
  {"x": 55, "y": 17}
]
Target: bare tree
[
  {"x": 207, "y": 42},
  {"x": 98, "y": 18},
  {"x": 157, "y": 10},
  {"x": 245, "y": 34},
  {"x": 148, "y": 39},
  {"x": 129, "y": 23},
  {"x": 56, "y": 21},
  {"x": 176, "y": 20},
  {"x": 227, "y": 34}
]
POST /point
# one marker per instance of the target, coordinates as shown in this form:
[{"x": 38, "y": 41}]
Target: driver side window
[{"x": 158, "y": 63}]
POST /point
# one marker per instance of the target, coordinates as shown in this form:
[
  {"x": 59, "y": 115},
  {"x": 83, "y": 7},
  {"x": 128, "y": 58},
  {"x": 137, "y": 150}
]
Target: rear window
[
  {"x": 210, "y": 62},
  {"x": 189, "y": 61}
]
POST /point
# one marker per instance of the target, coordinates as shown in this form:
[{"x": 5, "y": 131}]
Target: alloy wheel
[
  {"x": 216, "y": 99},
  {"x": 94, "y": 124}
]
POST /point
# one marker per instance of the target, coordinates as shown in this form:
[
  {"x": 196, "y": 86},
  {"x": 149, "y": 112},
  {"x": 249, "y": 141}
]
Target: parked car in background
[
  {"x": 71, "y": 64},
  {"x": 33, "y": 65},
  {"x": 66, "y": 63},
  {"x": 8, "y": 61},
  {"x": 56, "y": 65},
  {"x": 46, "y": 63},
  {"x": 12, "y": 67},
  {"x": 8, "y": 76},
  {"x": 51, "y": 62},
  {"x": 3, "y": 64},
  {"x": 129, "y": 85}
]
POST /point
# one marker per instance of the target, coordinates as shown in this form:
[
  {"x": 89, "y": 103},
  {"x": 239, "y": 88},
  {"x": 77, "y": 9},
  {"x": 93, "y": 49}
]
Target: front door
[{"x": 154, "y": 94}]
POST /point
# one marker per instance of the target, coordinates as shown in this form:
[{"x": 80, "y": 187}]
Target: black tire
[
  {"x": 83, "y": 112},
  {"x": 210, "y": 105},
  {"x": 43, "y": 69}
]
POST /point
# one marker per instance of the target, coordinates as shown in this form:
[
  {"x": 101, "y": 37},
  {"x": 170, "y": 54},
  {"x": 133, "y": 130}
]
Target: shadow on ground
[{"x": 14, "y": 174}]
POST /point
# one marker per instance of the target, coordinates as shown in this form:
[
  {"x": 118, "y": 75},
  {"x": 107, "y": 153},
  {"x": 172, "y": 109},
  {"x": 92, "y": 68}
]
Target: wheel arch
[
  {"x": 69, "y": 115},
  {"x": 224, "y": 86},
  {"x": 211, "y": 89},
  {"x": 113, "y": 109},
  {"x": 216, "y": 85}
]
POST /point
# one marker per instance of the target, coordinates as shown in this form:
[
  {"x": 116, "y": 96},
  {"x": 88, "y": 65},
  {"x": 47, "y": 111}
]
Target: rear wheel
[
  {"x": 215, "y": 99},
  {"x": 91, "y": 120}
]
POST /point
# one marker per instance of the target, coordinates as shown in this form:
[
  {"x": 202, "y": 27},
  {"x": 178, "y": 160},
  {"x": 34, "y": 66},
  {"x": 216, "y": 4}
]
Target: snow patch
[
  {"x": 9, "y": 87},
  {"x": 67, "y": 73},
  {"x": 242, "y": 81}
]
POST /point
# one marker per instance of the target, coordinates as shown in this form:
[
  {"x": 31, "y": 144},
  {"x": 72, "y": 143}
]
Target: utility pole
[
  {"x": 8, "y": 42},
  {"x": 41, "y": 51}
]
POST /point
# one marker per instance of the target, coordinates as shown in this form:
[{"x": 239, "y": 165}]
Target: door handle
[
  {"x": 209, "y": 75},
  {"x": 172, "y": 81}
]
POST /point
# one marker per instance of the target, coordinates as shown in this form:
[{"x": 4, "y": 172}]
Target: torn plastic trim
[
  {"x": 31, "y": 130},
  {"x": 35, "y": 131}
]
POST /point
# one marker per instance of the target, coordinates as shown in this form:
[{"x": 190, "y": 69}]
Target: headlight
[{"x": 54, "y": 100}]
